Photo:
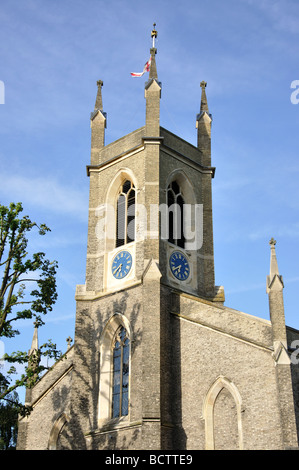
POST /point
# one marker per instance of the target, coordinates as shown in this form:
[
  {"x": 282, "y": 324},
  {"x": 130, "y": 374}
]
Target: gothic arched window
[
  {"x": 125, "y": 214},
  {"x": 222, "y": 410},
  {"x": 175, "y": 204},
  {"x": 120, "y": 380}
]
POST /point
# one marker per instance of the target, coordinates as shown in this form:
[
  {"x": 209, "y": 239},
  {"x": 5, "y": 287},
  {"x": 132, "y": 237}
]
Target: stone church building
[{"x": 159, "y": 362}]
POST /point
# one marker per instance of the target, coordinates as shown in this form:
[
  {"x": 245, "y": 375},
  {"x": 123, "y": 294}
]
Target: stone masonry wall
[
  {"x": 50, "y": 399},
  {"x": 227, "y": 344}
]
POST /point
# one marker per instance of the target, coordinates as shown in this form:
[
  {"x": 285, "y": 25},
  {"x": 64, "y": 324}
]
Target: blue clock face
[
  {"x": 121, "y": 264},
  {"x": 179, "y": 266}
]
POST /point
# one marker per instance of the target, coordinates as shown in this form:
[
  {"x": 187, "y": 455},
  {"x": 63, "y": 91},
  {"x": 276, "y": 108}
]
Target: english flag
[{"x": 145, "y": 69}]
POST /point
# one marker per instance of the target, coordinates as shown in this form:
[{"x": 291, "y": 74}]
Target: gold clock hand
[
  {"x": 177, "y": 267},
  {"x": 117, "y": 269}
]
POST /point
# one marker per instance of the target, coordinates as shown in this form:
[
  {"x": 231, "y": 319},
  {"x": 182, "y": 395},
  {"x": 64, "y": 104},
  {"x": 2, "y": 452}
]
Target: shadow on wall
[{"x": 81, "y": 416}]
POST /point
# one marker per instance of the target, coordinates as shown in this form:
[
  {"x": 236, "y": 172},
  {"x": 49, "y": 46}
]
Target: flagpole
[
  {"x": 146, "y": 67},
  {"x": 154, "y": 34}
]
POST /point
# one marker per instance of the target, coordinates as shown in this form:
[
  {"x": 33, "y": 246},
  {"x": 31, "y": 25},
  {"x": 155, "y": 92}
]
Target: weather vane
[{"x": 154, "y": 34}]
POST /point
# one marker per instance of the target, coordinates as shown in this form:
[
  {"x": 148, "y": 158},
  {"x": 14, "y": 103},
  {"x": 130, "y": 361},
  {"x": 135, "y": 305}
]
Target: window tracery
[
  {"x": 175, "y": 204},
  {"x": 125, "y": 214},
  {"x": 120, "y": 381}
]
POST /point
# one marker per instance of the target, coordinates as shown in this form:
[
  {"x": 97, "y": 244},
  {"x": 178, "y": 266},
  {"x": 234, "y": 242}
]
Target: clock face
[
  {"x": 121, "y": 264},
  {"x": 179, "y": 266}
]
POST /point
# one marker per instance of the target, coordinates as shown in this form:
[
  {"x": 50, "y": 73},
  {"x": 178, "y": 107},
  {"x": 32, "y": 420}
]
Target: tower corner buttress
[{"x": 98, "y": 124}]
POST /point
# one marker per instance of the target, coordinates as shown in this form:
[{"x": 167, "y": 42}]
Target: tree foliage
[
  {"x": 8, "y": 422},
  {"x": 27, "y": 292}
]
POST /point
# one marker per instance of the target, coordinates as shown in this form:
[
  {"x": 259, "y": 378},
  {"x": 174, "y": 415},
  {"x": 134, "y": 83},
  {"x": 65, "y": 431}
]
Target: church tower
[{"x": 150, "y": 235}]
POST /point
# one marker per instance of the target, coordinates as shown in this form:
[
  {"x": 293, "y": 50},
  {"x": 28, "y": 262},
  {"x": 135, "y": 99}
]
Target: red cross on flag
[{"x": 145, "y": 69}]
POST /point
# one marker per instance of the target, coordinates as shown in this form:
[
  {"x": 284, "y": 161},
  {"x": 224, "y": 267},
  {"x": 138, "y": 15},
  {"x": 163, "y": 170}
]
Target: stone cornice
[
  {"x": 189, "y": 161},
  {"x": 111, "y": 161},
  {"x": 221, "y": 331},
  {"x": 158, "y": 140}
]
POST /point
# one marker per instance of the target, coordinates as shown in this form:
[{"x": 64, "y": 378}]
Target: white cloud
[
  {"x": 45, "y": 193},
  {"x": 236, "y": 230},
  {"x": 289, "y": 230},
  {"x": 247, "y": 288},
  {"x": 283, "y": 14},
  {"x": 258, "y": 286}
]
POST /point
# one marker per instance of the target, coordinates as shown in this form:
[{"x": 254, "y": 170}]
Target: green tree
[
  {"x": 9, "y": 422},
  {"x": 27, "y": 292}
]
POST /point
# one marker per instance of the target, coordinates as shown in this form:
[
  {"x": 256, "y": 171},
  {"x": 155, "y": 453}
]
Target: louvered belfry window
[
  {"x": 175, "y": 203},
  {"x": 125, "y": 218},
  {"x": 120, "y": 383}
]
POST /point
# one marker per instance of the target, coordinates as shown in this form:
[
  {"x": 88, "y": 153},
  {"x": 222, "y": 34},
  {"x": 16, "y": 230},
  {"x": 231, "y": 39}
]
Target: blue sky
[{"x": 51, "y": 55}]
